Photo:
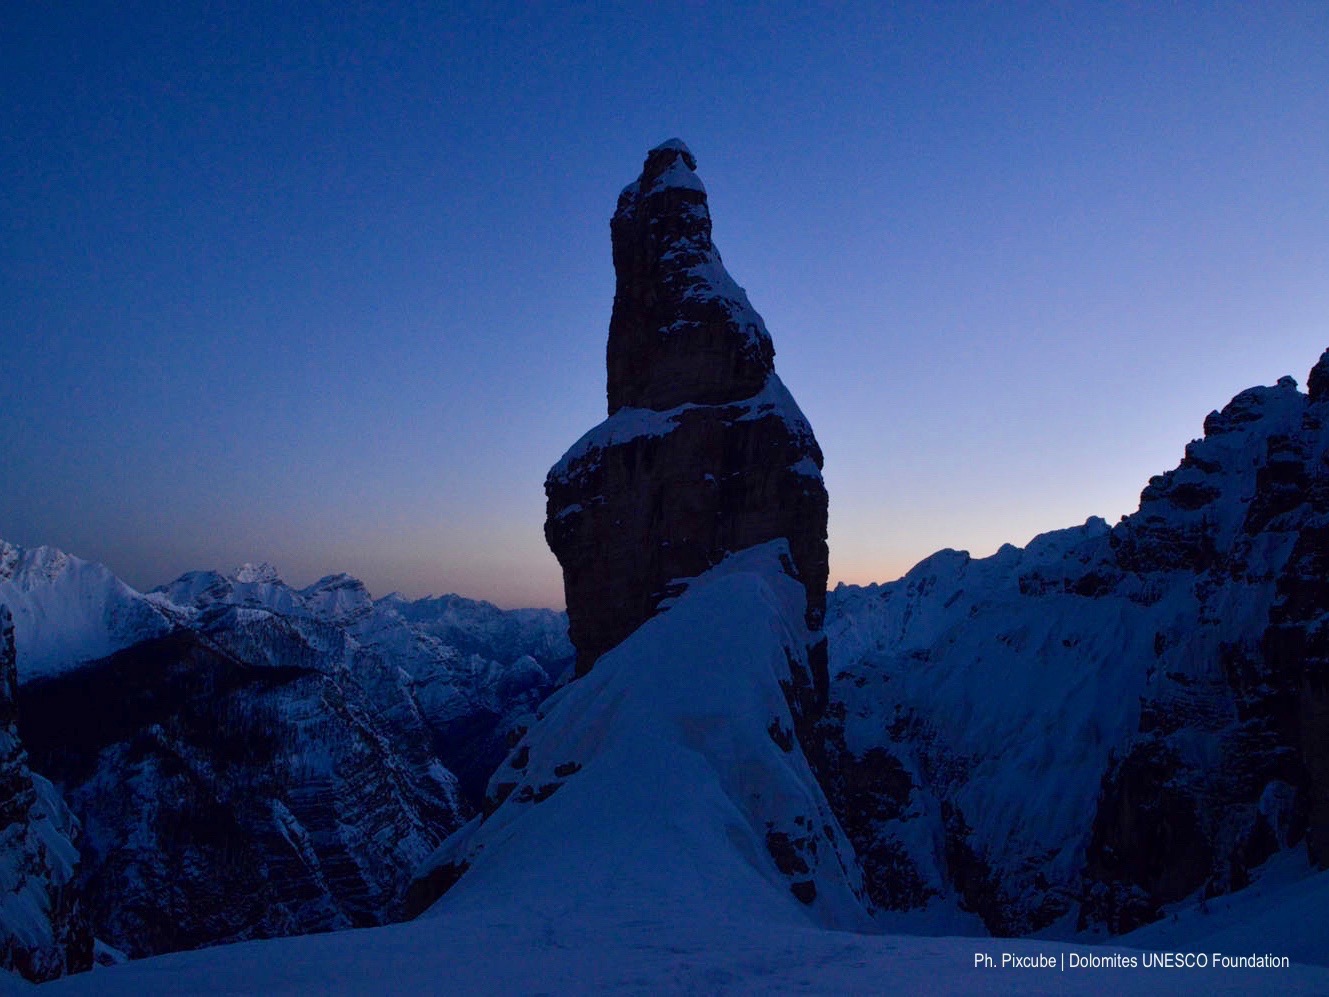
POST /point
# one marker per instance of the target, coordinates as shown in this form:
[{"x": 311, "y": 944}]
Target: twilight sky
[{"x": 330, "y": 286}]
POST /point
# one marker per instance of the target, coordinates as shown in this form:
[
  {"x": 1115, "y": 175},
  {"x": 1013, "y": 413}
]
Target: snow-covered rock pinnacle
[
  {"x": 704, "y": 452},
  {"x": 682, "y": 330}
]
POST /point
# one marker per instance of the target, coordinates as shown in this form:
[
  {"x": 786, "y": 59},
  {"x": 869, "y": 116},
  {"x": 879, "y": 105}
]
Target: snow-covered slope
[
  {"x": 658, "y": 952},
  {"x": 670, "y": 771},
  {"x": 67, "y": 610},
  {"x": 1283, "y": 909},
  {"x": 999, "y": 710}
]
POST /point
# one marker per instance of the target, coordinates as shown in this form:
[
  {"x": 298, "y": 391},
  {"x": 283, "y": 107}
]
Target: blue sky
[{"x": 331, "y": 287}]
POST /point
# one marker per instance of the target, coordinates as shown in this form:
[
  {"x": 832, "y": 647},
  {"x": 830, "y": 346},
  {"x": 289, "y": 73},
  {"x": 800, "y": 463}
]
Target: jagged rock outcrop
[
  {"x": 704, "y": 451},
  {"x": 1227, "y": 765},
  {"x": 226, "y": 797},
  {"x": 43, "y": 932},
  {"x": 1111, "y": 719}
]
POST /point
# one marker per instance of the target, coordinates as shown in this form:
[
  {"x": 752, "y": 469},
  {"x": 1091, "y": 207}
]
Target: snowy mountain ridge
[
  {"x": 68, "y": 610},
  {"x": 628, "y": 848},
  {"x": 323, "y": 741},
  {"x": 987, "y": 717},
  {"x": 1029, "y": 721}
]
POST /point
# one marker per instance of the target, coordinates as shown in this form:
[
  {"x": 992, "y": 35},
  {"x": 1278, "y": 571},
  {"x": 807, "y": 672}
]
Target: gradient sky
[{"x": 329, "y": 286}]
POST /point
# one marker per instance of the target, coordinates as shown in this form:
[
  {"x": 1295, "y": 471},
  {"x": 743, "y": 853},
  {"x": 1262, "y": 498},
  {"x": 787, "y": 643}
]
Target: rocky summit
[{"x": 704, "y": 451}]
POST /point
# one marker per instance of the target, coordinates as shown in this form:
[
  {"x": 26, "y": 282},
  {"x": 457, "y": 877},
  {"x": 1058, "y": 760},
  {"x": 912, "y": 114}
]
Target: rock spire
[{"x": 704, "y": 451}]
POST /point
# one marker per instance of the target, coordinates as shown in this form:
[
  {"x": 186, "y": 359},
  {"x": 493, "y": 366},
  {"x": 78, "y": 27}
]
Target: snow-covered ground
[
  {"x": 502, "y": 949},
  {"x": 1283, "y": 911}
]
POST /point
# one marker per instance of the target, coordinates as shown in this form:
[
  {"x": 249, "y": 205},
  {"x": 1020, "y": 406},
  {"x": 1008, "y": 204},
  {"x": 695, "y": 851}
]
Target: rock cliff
[{"x": 705, "y": 477}]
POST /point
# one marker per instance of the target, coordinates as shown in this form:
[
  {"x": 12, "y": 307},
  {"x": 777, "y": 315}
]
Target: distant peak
[
  {"x": 9, "y": 558},
  {"x": 261, "y": 573}
]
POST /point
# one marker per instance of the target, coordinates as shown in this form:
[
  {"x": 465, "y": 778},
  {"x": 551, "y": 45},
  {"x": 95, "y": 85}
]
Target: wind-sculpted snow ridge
[
  {"x": 1077, "y": 734},
  {"x": 638, "y": 781}
]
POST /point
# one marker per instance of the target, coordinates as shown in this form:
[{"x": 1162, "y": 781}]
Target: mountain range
[
  {"x": 247, "y": 759},
  {"x": 710, "y": 775}
]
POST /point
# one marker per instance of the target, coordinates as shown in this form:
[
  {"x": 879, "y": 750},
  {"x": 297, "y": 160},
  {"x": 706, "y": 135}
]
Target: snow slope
[
  {"x": 668, "y": 771},
  {"x": 1002, "y": 705},
  {"x": 1284, "y": 908},
  {"x": 68, "y": 611},
  {"x": 655, "y": 952}
]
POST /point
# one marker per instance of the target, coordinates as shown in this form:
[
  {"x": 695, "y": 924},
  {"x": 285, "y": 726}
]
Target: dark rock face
[
  {"x": 681, "y": 330},
  {"x": 240, "y": 782},
  {"x": 43, "y": 932},
  {"x": 871, "y": 795},
  {"x": 704, "y": 451},
  {"x": 1229, "y": 762},
  {"x": 1317, "y": 385}
]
